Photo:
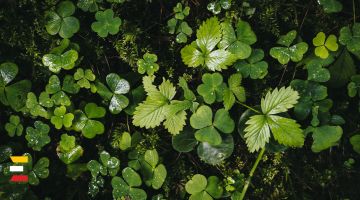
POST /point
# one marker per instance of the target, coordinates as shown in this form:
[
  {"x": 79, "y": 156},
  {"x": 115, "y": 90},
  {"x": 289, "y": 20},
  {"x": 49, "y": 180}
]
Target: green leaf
[
  {"x": 72, "y": 155},
  {"x": 253, "y": 67},
  {"x": 342, "y": 69},
  {"x": 84, "y": 78},
  {"x": 331, "y": 6},
  {"x": 325, "y": 137},
  {"x": 351, "y": 37},
  {"x": 197, "y": 184},
  {"x": 125, "y": 141},
  {"x": 323, "y": 47},
  {"x": 61, "y": 22},
  {"x": 239, "y": 43},
  {"x": 14, "y": 127},
  {"x": 211, "y": 88},
  {"x": 215, "y": 154},
  {"x": 93, "y": 111},
  {"x": 61, "y": 118},
  {"x": 355, "y": 142},
  {"x": 317, "y": 73},
  {"x": 188, "y": 94},
  {"x": 354, "y": 86},
  {"x": 131, "y": 177},
  {"x": 185, "y": 141},
  {"x": 223, "y": 121},
  {"x": 106, "y": 23},
  {"x": 67, "y": 142},
  {"x": 279, "y": 101},
  {"x": 37, "y": 137},
  {"x": 151, "y": 157},
  {"x": 83, "y": 122},
  {"x": 119, "y": 87},
  {"x": 286, "y": 131},
  {"x": 39, "y": 170},
  {"x": 34, "y": 107},
  {"x": 214, "y": 187},
  {"x": 8, "y": 72},
  {"x": 148, "y": 64},
  {"x": 89, "y": 5},
  {"x": 208, "y": 134},
  {"x": 257, "y": 132},
  {"x": 235, "y": 90},
  {"x": 159, "y": 176},
  {"x": 15, "y": 94},
  {"x": 57, "y": 62},
  {"x": 201, "y": 51},
  {"x": 202, "y": 117},
  {"x": 285, "y": 54}
]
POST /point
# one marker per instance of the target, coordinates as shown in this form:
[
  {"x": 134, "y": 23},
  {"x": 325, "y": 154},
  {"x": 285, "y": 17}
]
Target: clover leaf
[
  {"x": 38, "y": 171},
  {"x": 38, "y": 108},
  {"x": 354, "y": 86},
  {"x": 57, "y": 62},
  {"x": 106, "y": 23},
  {"x": 253, "y": 67},
  {"x": 67, "y": 142},
  {"x": 61, "y": 118},
  {"x": 331, "y": 6},
  {"x": 84, "y": 78},
  {"x": 355, "y": 142},
  {"x": 202, "y": 50},
  {"x": 37, "y": 137},
  {"x": 127, "y": 185},
  {"x": 324, "y": 46},
  {"x": 286, "y": 53},
  {"x": 216, "y": 5},
  {"x": 107, "y": 166},
  {"x": 15, "y": 94},
  {"x": 235, "y": 90},
  {"x": 237, "y": 43},
  {"x": 148, "y": 64},
  {"x": 316, "y": 69},
  {"x": 153, "y": 172},
  {"x": 311, "y": 94},
  {"x": 118, "y": 87},
  {"x": 201, "y": 188},
  {"x": 14, "y": 127},
  {"x": 59, "y": 97},
  {"x": 212, "y": 87},
  {"x": 181, "y": 13},
  {"x": 215, "y": 154},
  {"x": 350, "y": 37},
  {"x": 84, "y": 123},
  {"x": 208, "y": 130},
  {"x": 89, "y": 5},
  {"x": 285, "y": 130},
  {"x": 61, "y": 21},
  {"x": 325, "y": 137}
]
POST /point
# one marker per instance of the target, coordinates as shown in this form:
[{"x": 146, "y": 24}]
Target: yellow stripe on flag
[{"x": 19, "y": 159}]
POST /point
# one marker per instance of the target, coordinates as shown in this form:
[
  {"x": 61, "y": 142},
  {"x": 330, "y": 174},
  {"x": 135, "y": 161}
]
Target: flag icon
[{"x": 20, "y": 178}]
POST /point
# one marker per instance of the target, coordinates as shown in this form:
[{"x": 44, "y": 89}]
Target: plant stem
[
  {"x": 354, "y": 14},
  {"x": 249, "y": 107},
  {"x": 248, "y": 180}
]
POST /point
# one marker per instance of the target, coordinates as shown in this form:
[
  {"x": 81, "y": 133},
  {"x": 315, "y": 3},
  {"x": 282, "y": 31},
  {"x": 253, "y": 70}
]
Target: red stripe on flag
[{"x": 19, "y": 178}]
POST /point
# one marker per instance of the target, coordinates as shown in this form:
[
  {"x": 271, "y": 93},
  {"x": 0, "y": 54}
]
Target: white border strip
[{"x": 16, "y": 168}]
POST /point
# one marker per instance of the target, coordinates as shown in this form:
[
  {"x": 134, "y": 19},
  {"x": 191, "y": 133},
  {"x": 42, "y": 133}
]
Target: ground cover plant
[{"x": 187, "y": 99}]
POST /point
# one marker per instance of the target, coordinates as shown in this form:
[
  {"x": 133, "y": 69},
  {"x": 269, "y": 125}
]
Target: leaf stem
[
  {"x": 354, "y": 14},
  {"x": 249, "y": 107},
  {"x": 248, "y": 180}
]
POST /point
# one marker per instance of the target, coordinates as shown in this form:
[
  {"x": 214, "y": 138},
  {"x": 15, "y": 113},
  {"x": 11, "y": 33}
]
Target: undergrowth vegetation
[{"x": 187, "y": 99}]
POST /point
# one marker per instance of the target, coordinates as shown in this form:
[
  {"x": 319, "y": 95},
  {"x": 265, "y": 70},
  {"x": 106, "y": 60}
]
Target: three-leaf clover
[
  {"x": 181, "y": 13},
  {"x": 148, "y": 64},
  {"x": 15, "y": 94},
  {"x": 208, "y": 130},
  {"x": 350, "y": 37},
  {"x": 106, "y": 23},
  {"x": 286, "y": 53},
  {"x": 154, "y": 173},
  {"x": 253, "y": 67},
  {"x": 212, "y": 87},
  {"x": 89, "y": 5},
  {"x": 61, "y": 118},
  {"x": 58, "y": 95},
  {"x": 118, "y": 87},
  {"x": 285, "y": 130},
  {"x": 202, "y": 50},
  {"x": 37, "y": 137},
  {"x": 62, "y": 21},
  {"x": 237, "y": 43},
  {"x": 128, "y": 185},
  {"x": 322, "y": 46},
  {"x": 84, "y": 123},
  {"x": 14, "y": 126},
  {"x": 234, "y": 90},
  {"x": 107, "y": 166},
  {"x": 84, "y": 78},
  {"x": 38, "y": 108},
  {"x": 201, "y": 188},
  {"x": 57, "y": 62}
]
